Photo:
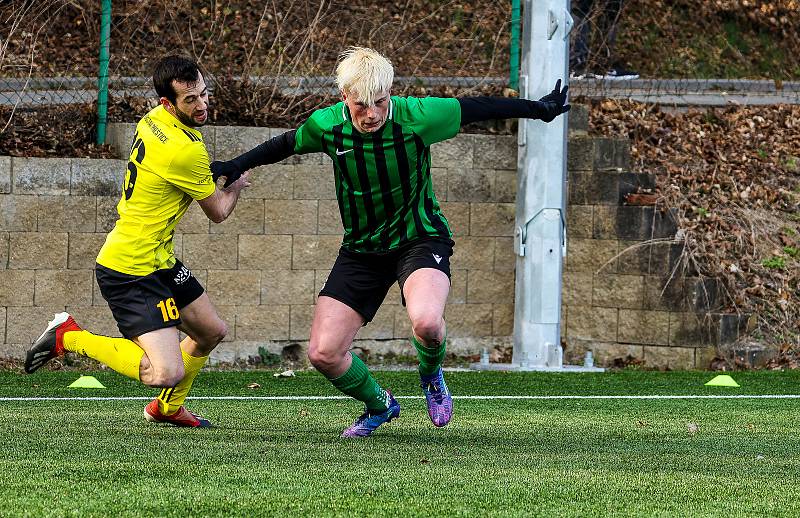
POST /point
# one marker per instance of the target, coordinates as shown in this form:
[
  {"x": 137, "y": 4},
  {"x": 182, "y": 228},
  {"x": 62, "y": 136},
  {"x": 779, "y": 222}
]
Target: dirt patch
[{"x": 732, "y": 39}]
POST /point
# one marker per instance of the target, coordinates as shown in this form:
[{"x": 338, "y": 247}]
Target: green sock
[
  {"x": 357, "y": 382},
  {"x": 430, "y": 358}
]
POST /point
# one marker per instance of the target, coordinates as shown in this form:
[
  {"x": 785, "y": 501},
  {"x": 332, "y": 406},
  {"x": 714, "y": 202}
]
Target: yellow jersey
[{"x": 167, "y": 169}]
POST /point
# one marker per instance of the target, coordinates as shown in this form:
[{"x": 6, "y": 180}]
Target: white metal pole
[{"x": 539, "y": 237}]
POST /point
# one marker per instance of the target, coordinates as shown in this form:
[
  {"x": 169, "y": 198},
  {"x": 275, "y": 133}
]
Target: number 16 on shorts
[{"x": 169, "y": 311}]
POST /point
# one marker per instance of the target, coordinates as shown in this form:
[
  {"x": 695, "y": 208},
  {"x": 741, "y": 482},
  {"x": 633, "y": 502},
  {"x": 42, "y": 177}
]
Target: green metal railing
[
  {"x": 102, "y": 76},
  {"x": 513, "y": 81}
]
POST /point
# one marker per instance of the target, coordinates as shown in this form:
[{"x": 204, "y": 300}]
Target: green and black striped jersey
[{"x": 383, "y": 179}]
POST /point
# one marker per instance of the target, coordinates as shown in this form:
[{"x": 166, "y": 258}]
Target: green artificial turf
[{"x": 576, "y": 457}]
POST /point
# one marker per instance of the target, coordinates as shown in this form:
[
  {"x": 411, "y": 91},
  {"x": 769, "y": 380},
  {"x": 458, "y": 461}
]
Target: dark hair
[{"x": 174, "y": 68}]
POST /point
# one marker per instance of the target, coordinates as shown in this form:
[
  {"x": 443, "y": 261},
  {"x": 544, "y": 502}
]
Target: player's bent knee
[
  {"x": 218, "y": 334},
  {"x": 428, "y": 328},
  {"x": 321, "y": 358},
  {"x": 223, "y": 331},
  {"x": 316, "y": 357},
  {"x": 166, "y": 377},
  {"x": 212, "y": 337}
]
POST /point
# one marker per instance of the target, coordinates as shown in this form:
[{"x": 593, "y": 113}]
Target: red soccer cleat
[
  {"x": 182, "y": 417},
  {"x": 51, "y": 343}
]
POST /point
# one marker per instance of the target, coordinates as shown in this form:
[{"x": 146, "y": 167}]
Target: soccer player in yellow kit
[{"x": 151, "y": 294}]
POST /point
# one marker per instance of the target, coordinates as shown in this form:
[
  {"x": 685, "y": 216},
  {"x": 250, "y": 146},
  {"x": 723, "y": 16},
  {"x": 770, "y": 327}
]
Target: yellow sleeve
[{"x": 190, "y": 171}]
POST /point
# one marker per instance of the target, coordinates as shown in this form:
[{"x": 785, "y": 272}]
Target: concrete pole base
[{"x": 531, "y": 368}]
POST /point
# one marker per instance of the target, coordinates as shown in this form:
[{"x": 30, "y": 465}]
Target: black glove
[
  {"x": 553, "y": 104},
  {"x": 228, "y": 169}
]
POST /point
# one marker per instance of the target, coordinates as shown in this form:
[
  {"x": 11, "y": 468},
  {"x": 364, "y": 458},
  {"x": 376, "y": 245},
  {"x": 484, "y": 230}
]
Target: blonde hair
[{"x": 364, "y": 74}]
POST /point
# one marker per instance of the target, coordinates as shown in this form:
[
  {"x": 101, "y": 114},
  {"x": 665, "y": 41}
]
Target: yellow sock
[
  {"x": 171, "y": 399},
  {"x": 120, "y": 354}
]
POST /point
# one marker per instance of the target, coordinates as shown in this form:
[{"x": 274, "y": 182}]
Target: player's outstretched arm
[
  {"x": 221, "y": 203},
  {"x": 547, "y": 108},
  {"x": 269, "y": 152}
]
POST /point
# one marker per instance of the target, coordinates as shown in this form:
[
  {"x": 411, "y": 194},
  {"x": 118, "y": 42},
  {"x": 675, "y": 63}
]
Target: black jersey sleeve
[
  {"x": 269, "y": 152},
  {"x": 474, "y": 109}
]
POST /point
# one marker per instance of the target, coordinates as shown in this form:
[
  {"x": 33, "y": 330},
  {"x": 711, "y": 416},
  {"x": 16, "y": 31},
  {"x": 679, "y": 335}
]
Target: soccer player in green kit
[{"x": 394, "y": 230}]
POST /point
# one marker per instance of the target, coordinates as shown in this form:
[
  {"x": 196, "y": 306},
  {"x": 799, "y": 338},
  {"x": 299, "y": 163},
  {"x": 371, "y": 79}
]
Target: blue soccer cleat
[
  {"x": 369, "y": 422},
  {"x": 438, "y": 398}
]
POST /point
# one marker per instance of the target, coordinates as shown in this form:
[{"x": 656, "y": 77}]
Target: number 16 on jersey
[{"x": 169, "y": 311}]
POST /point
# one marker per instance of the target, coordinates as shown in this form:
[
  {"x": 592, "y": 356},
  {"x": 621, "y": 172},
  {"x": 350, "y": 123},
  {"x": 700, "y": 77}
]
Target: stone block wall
[
  {"x": 626, "y": 294},
  {"x": 264, "y": 266}
]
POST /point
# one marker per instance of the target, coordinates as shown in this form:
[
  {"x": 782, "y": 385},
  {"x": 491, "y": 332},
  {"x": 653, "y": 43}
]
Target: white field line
[{"x": 324, "y": 398}]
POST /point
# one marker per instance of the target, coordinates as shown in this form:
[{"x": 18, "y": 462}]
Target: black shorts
[
  {"x": 141, "y": 304},
  {"x": 361, "y": 280}
]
